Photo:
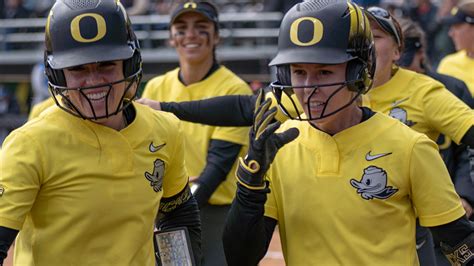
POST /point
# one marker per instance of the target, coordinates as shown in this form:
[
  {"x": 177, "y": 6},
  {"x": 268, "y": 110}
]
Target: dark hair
[{"x": 412, "y": 30}]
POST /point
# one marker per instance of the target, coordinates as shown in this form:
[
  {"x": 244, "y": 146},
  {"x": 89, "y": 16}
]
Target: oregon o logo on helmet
[
  {"x": 190, "y": 5},
  {"x": 76, "y": 29},
  {"x": 317, "y": 31}
]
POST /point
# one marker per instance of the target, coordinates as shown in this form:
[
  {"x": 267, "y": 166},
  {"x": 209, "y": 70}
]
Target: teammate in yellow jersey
[
  {"x": 456, "y": 157},
  {"x": 389, "y": 49},
  {"x": 82, "y": 184},
  {"x": 461, "y": 63},
  {"x": 211, "y": 152},
  {"x": 418, "y": 101},
  {"x": 344, "y": 191}
]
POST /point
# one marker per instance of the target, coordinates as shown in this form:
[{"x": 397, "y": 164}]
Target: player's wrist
[
  {"x": 462, "y": 254},
  {"x": 249, "y": 174}
]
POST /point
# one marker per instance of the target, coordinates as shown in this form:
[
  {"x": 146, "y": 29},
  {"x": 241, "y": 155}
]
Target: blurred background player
[
  {"x": 456, "y": 157},
  {"x": 211, "y": 152},
  {"x": 346, "y": 162},
  {"x": 83, "y": 183},
  {"x": 461, "y": 64},
  {"x": 416, "y": 100}
]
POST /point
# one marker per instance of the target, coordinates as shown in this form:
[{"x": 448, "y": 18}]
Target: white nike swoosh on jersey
[
  {"x": 370, "y": 157},
  {"x": 418, "y": 246},
  {"x": 154, "y": 148},
  {"x": 395, "y": 103}
]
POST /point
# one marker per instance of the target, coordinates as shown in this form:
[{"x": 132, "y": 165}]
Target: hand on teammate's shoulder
[{"x": 150, "y": 103}]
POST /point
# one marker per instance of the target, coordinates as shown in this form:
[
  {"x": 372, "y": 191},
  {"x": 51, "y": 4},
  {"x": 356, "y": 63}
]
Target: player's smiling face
[
  {"x": 102, "y": 99},
  {"x": 387, "y": 53},
  {"x": 194, "y": 37},
  {"x": 327, "y": 98}
]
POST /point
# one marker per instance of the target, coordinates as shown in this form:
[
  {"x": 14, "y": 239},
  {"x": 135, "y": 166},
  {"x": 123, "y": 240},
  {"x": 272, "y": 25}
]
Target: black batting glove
[{"x": 263, "y": 147}]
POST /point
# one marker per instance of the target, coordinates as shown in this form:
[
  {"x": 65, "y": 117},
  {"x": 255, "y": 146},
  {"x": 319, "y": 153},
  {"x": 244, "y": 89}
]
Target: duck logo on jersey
[
  {"x": 373, "y": 184},
  {"x": 401, "y": 115},
  {"x": 156, "y": 178}
]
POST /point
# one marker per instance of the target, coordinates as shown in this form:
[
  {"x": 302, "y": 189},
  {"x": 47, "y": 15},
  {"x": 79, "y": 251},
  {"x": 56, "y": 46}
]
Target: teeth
[
  {"x": 96, "y": 96},
  {"x": 192, "y": 45},
  {"x": 315, "y": 104}
]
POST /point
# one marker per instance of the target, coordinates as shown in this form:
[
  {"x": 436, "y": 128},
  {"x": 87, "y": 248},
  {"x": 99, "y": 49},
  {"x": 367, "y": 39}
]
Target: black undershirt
[{"x": 221, "y": 156}]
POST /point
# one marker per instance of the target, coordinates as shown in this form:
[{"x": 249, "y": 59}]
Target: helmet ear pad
[
  {"x": 132, "y": 65},
  {"x": 55, "y": 76},
  {"x": 356, "y": 72},
  {"x": 283, "y": 74}
]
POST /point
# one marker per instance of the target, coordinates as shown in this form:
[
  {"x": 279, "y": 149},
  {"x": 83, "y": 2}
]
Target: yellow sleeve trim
[
  {"x": 463, "y": 129},
  {"x": 271, "y": 212},
  {"x": 443, "y": 218},
  {"x": 5, "y": 222}
]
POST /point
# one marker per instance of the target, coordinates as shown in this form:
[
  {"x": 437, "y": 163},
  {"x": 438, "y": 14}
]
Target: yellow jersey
[
  {"x": 84, "y": 194},
  {"x": 460, "y": 66},
  {"x": 38, "y": 108},
  {"x": 168, "y": 88},
  {"x": 349, "y": 199},
  {"x": 423, "y": 104}
]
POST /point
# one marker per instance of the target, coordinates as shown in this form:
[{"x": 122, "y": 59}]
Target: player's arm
[
  {"x": 229, "y": 110},
  {"x": 7, "y": 236},
  {"x": 468, "y": 138},
  {"x": 181, "y": 210},
  {"x": 178, "y": 207},
  {"x": 221, "y": 156},
  {"x": 457, "y": 241},
  {"x": 462, "y": 178},
  {"x": 247, "y": 232}
]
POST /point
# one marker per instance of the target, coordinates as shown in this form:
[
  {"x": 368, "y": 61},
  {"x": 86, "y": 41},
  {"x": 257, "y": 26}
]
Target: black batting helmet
[
  {"x": 325, "y": 32},
  {"x": 80, "y": 32}
]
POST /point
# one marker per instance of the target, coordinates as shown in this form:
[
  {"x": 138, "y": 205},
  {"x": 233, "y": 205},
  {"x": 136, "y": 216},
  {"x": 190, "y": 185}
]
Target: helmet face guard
[
  {"x": 62, "y": 98},
  {"x": 89, "y": 32},
  {"x": 284, "y": 95},
  {"x": 329, "y": 33}
]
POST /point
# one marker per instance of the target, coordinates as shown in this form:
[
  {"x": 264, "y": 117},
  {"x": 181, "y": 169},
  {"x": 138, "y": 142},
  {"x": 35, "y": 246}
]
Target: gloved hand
[{"x": 263, "y": 147}]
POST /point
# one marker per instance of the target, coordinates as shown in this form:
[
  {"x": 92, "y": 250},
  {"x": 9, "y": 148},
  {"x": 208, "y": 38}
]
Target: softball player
[
  {"x": 461, "y": 63},
  {"x": 416, "y": 100},
  {"x": 455, "y": 156},
  {"x": 464, "y": 118},
  {"x": 82, "y": 184},
  {"x": 211, "y": 152},
  {"x": 351, "y": 167}
]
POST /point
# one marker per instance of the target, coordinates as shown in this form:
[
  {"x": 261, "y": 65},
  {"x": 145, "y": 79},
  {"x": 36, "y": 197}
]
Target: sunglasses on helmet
[{"x": 385, "y": 20}]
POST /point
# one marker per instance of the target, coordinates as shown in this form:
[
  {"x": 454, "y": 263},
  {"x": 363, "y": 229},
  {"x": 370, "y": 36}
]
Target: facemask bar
[
  {"x": 281, "y": 91},
  {"x": 65, "y": 103}
]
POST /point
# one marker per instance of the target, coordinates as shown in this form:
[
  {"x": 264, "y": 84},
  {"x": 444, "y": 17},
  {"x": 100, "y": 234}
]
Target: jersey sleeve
[
  {"x": 20, "y": 178},
  {"x": 448, "y": 114},
  {"x": 432, "y": 191},
  {"x": 176, "y": 176}
]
